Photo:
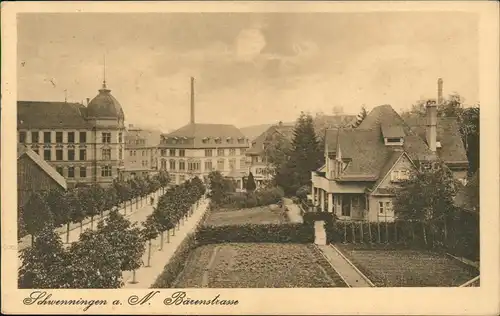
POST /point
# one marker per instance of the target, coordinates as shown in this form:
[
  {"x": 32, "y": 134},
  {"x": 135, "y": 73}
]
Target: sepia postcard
[{"x": 236, "y": 158}]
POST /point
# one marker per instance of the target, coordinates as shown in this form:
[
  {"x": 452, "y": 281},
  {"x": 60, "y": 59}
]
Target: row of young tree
[
  {"x": 57, "y": 208},
  {"x": 99, "y": 257}
]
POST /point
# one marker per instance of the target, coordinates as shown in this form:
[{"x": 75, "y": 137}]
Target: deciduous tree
[
  {"x": 427, "y": 197},
  {"x": 43, "y": 265},
  {"x": 36, "y": 215},
  {"x": 94, "y": 263}
]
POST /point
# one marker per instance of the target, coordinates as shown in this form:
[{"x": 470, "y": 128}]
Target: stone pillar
[
  {"x": 313, "y": 197},
  {"x": 322, "y": 197},
  {"x": 330, "y": 202}
]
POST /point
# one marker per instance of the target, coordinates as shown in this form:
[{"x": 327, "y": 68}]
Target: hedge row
[{"x": 277, "y": 233}]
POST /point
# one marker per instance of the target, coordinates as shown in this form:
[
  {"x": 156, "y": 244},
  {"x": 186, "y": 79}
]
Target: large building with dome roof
[{"x": 84, "y": 143}]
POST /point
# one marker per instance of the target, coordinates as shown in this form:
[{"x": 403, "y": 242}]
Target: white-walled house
[{"x": 364, "y": 165}]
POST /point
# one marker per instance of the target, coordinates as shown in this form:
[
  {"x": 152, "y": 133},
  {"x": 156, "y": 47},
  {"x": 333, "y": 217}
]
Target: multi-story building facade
[
  {"x": 85, "y": 144},
  {"x": 197, "y": 149},
  {"x": 141, "y": 151}
]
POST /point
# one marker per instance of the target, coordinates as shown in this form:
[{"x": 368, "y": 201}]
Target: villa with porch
[{"x": 364, "y": 165}]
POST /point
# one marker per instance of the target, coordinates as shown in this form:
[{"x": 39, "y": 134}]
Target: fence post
[
  {"x": 353, "y": 229},
  {"x": 345, "y": 232},
  {"x": 361, "y": 228},
  {"x": 386, "y": 231},
  {"x": 395, "y": 231},
  {"x": 370, "y": 231},
  {"x": 378, "y": 230}
]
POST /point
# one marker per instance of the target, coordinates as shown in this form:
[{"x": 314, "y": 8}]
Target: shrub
[
  {"x": 260, "y": 197},
  {"x": 302, "y": 192},
  {"x": 174, "y": 267},
  {"x": 278, "y": 233}
]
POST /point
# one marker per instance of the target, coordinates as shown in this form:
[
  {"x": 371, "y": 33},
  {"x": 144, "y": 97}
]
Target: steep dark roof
[
  {"x": 104, "y": 105},
  {"x": 197, "y": 132},
  {"x": 367, "y": 155},
  {"x": 284, "y": 130},
  {"x": 364, "y": 148},
  {"x": 50, "y": 115},
  {"x": 448, "y": 134},
  {"x": 383, "y": 115},
  {"x": 392, "y": 131}
]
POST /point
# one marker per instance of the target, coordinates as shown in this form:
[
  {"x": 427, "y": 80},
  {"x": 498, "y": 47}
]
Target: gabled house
[
  {"x": 35, "y": 175},
  {"x": 257, "y": 159},
  {"x": 364, "y": 165}
]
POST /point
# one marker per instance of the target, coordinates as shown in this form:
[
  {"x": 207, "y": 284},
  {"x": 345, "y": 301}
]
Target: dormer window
[
  {"x": 229, "y": 140},
  {"x": 393, "y": 134},
  {"x": 217, "y": 140},
  {"x": 394, "y": 141}
]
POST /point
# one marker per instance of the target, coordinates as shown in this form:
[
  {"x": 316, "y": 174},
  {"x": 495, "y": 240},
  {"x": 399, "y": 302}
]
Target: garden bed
[
  {"x": 256, "y": 215},
  {"x": 256, "y": 265},
  {"x": 393, "y": 267}
]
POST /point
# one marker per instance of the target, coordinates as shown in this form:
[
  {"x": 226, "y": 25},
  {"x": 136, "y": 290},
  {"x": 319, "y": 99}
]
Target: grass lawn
[
  {"x": 256, "y": 265},
  {"x": 408, "y": 267},
  {"x": 255, "y": 215}
]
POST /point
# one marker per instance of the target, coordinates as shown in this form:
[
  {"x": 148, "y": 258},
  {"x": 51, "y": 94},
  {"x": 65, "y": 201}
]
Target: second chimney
[
  {"x": 88, "y": 101},
  {"x": 192, "y": 101},
  {"x": 440, "y": 91},
  {"x": 431, "y": 117}
]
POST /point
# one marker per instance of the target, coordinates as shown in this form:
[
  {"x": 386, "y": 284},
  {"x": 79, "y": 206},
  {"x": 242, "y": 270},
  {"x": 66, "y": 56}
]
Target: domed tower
[{"x": 106, "y": 117}]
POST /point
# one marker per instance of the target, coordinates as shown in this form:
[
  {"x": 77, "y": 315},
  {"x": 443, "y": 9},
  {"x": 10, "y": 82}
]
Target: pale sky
[{"x": 250, "y": 68}]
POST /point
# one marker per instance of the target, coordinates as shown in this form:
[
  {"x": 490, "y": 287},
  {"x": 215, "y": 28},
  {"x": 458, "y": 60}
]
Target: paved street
[{"x": 146, "y": 276}]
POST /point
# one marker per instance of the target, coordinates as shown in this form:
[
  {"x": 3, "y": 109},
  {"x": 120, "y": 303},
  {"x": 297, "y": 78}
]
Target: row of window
[
  {"x": 208, "y": 152},
  {"x": 229, "y": 140},
  {"x": 47, "y": 154},
  {"x": 136, "y": 142},
  {"x": 106, "y": 171},
  {"x": 133, "y": 153},
  {"x": 196, "y": 165},
  {"x": 206, "y": 140},
  {"x": 47, "y": 137}
]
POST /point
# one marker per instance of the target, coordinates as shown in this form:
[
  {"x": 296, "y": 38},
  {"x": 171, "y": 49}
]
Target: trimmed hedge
[
  {"x": 277, "y": 233},
  {"x": 174, "y": 267}
]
